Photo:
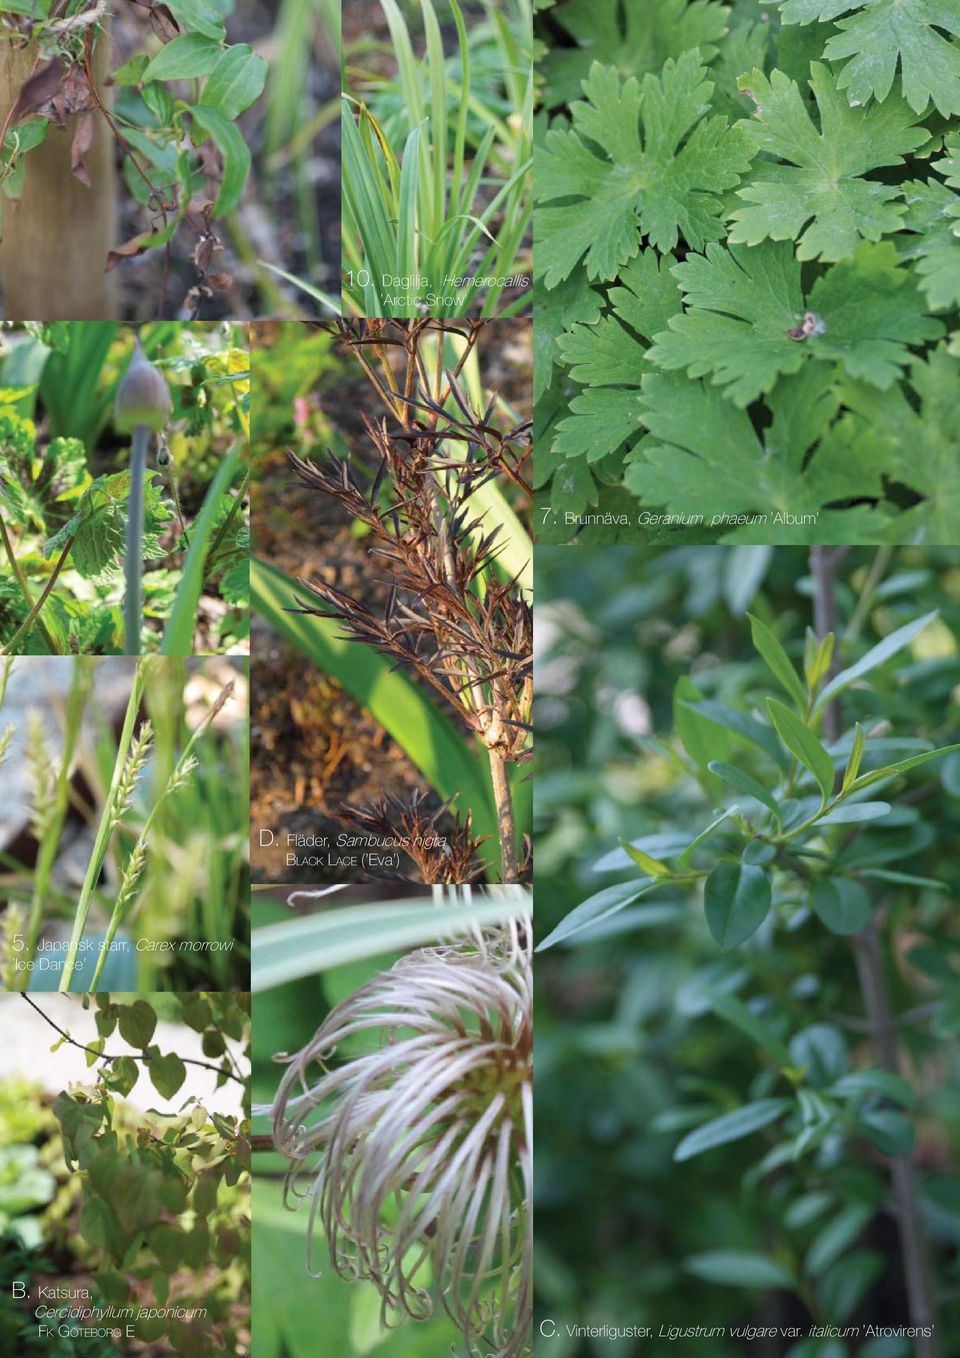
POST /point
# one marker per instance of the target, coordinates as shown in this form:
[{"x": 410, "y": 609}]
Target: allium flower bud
[
  {"x": 421, "y": 1149},
  {"x": 143, "y": 397}
]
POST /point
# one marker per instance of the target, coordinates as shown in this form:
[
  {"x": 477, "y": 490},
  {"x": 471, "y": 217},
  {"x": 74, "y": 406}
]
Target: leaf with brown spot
[
  {"x": 82, "y": 141},
  {"x": 128, "y": 250},
  {"x": 163, "y": 23},
  {"x": 38, "y": 90}
]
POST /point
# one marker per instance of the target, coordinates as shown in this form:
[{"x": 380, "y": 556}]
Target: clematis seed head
[{"x": 419, "y": 1150}]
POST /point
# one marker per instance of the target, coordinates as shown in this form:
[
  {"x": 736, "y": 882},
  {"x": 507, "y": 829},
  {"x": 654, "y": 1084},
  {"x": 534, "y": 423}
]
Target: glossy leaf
[
  {"x": 184, "y": 58},
  {"x": 235, "y": 82},
  {"x": 737, "y": 899},
  {"x": 777, "y": 660},
  {"x": 235, "y": 152},
  {"x": 731, "y": 1127},
  {"x": 844, "y": 906},
  {"x": 877, "y": 655},
  {"x": 801, "y": 742}
]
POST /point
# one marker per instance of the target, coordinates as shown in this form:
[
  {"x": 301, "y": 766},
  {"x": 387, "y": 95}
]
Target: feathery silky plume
[{"x": 421, "y": 1149}]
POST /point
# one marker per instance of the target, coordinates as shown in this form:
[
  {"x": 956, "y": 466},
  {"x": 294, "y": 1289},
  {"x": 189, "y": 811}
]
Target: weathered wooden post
[{"x": 55, "y": 241}]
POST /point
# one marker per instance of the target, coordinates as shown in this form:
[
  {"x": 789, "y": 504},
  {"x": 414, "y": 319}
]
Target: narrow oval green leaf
[
  {"x": 836, "y": 1237},
  {"x": 737, "y": 899},
  {"x": 743, "y": 725},
  {"x": 684, "y": 859},
  {"x": 235, "y": 82},
  {"x": 891, "y": 770},
  {"x": 184, "y": 58},
  {"x": 777, "y": 660},
  {"x": 598, "y": 907},
  {"x": 731, "y": 1127},
  {"x": 198, "y": 16},
  {"x": 875, "y": 1081},
  {"x": 890, "y": 645},
  {"x": 647, "y": 864},
  {"x": 843, "y": 906},
  {"x": 744, "y": 782},
  {"x": 801, "y": 742},
  {"x": 735, "y": 1012},
  {"x": 739, "y": 1268},
  {"x": 236, "y": 156},
  {"x": 852, "y": 813},
  {"x": 856, "y": 756}
]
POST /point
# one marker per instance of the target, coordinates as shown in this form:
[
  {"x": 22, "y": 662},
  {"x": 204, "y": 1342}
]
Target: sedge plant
[
  {"x": 437, "y": 201},
  {"x": 144, "y": 779}
]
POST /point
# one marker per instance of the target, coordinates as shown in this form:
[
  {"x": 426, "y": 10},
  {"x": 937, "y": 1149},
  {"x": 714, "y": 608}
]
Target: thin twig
[{"x": 103, "y": 1056}]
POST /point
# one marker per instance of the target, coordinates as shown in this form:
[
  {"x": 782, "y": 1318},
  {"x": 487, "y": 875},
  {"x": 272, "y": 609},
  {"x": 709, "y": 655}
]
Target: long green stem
[
  {"x": 21, "y": 580},
  {"x": 103, "y": 832},
  {"x": 80, "y": 689},
  {"x": 119, "y": 914},
  {"x": 133, "y": 566},
  {"x": 34, "y": 614}
]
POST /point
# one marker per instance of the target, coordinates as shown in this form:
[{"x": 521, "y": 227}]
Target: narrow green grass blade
[
  {"x": 451, "y": 765},
  {"x": 316, "y": 293},
  {"x": 306, "y": 947},
  {"x": 463, "y": 108},
  {"x": 406, "y": 261},
  {"x": 409, "y": 75},
  {"x": 365, "y": 206},
  {"x": 438, "y": 114},
  {"x": 181, "y": 625}
]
